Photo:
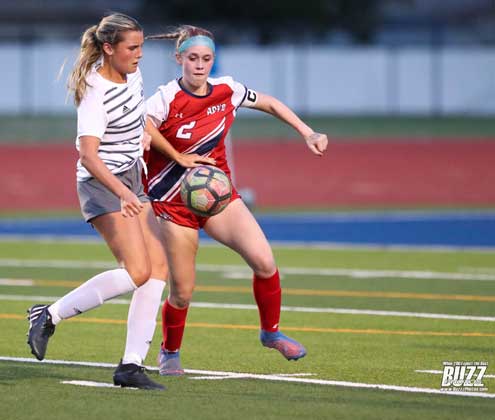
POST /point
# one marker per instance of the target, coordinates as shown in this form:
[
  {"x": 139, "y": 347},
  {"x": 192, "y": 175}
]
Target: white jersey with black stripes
[{"x": 116, "y": 114}]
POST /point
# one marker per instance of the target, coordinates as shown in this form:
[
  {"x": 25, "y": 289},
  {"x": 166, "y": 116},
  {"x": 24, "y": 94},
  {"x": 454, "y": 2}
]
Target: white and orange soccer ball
[{"x": 206, "y": 190}]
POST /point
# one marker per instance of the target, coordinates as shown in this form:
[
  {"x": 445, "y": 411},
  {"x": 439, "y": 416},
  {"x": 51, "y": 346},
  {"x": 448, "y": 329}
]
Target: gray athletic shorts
[{"x": 96, "y": 199}]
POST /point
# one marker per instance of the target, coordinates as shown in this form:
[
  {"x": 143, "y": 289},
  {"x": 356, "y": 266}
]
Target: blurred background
[{"x": 405, "y": 90}]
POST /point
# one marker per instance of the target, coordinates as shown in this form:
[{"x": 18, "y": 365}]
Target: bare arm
[
  {"x": 160, "y": 143},
  {"x": 316, "y": 142},
  {"x": 88, "y": 153}
]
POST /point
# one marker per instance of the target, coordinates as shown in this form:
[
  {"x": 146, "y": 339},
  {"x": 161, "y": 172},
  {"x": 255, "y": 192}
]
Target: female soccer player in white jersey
[
  {"x": 194, "y": 114},
  {"x": 111, "y": 117}
]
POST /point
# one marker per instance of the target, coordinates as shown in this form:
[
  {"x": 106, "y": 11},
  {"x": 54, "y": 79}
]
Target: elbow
[
  {"x": 269, "y": 108},
  {"x": 86, "y": 159}
]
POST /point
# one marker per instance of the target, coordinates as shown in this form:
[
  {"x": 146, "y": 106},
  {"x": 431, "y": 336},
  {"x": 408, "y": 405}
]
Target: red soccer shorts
[{"x": 179, "y": 214}]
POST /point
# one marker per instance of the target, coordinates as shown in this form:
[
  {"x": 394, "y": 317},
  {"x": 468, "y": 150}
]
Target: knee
[
  {"x": 264, "y": 266},
  {"x": 180, "y": 298},
  {"x": 139, "y": 273}
]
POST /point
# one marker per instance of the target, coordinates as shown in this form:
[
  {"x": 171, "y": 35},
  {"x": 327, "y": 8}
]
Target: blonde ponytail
[
  {"x": 91, "y": 51},
  {"x": 109, "y": 30}
]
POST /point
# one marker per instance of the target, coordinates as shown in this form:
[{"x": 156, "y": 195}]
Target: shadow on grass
[{"x": 15, "y": 372}]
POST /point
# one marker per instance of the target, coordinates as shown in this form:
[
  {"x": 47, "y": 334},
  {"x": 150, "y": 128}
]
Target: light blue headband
[{"x": 197, "y": 40}]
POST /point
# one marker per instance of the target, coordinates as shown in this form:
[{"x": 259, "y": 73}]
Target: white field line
[
  {"x": 342, "y": 311},
  {"x": 17, "y": 282},
  {"x": 477, "y": 270},
  {"x": 274, "y": 377},
  {"x": 95, "y": 384},
  {"x": 233, "y": 375},
  {"x": 48, "y": 299},
  {"x": 346, "y": 272},
  {"x": 440, "y": 372},
  {"x": 346, "y": 311}
]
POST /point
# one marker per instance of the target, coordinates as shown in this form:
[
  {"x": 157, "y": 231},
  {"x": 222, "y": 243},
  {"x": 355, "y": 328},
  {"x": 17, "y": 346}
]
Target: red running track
[{"x": 371, "y": 173}]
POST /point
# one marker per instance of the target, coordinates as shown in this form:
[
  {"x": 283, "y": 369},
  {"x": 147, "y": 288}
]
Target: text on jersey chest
[{"x": 216, "y": 108}]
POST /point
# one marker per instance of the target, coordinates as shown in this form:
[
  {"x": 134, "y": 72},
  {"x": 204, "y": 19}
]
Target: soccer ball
[{"x": 206, "y": 190}]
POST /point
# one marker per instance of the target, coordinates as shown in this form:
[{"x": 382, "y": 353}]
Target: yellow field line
[
  {"x": 311, "y": 292},
  {"x": 297, "y": 329}
]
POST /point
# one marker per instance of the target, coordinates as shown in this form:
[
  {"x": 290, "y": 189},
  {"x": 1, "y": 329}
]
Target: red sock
[
  {"x": 173, "y": 324},
  {"x": 268, "y": 296}
]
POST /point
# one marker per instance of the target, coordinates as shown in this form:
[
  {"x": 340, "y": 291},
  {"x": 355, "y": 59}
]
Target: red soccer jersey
[{"x": 192, "y": 124}]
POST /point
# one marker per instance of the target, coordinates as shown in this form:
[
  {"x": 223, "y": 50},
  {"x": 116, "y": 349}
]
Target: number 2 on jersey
[{"x": 181, "y": 134}]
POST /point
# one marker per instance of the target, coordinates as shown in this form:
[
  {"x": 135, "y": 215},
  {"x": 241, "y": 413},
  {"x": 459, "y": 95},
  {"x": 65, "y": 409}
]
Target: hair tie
[{"x": 95, "y": 37}]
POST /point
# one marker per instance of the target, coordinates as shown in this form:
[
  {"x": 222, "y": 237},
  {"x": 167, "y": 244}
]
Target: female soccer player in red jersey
[{"x": 194, "y": 114}]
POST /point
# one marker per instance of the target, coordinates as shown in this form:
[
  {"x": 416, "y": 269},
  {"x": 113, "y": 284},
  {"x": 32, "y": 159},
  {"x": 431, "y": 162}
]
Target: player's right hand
[
  {"x": 129, "y": 204},
  {"x": 193, "y": 160}
]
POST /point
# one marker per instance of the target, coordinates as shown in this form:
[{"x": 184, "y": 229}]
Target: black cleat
[
  {"x": 133, "y": 376},
  {"x": 40, "y": 330}
]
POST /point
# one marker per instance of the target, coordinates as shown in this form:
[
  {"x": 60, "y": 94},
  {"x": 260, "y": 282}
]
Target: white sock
[
  {"x": 91, "y": 294},
  {"x": 141, "y": 322}
]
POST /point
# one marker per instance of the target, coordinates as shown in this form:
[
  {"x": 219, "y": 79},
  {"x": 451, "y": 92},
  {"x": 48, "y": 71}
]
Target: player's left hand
[
  {"x": 192, "y": 160},
  {"x": 146, "y": 141},
  {"x": 317, "y": 143}
]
